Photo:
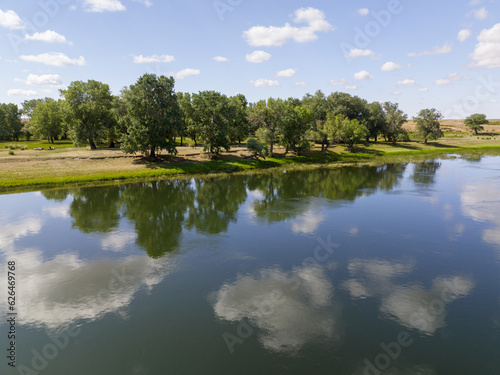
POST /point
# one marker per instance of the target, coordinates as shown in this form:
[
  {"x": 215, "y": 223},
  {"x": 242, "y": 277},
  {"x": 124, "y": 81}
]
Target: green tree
[
  {"x": 238, "y": 124},
  {"x": 29, "y": 105},
  {"x": 155, "y": 115},
  {"x": 345, "y": 130},
  {"x": 47, "y": 120},
  {"x": 88, "y": 106},
  {"x": 395, "y": 118},
  {"x": 376, "y": 121},
  {"x": 428, "y": 124},
  {"x": 212, "y": 113},
  {"x": 352, "y": 107},
  {"x": 10, "y": 122},
  {"x": 475, "y": 121},
  {"x": 296, "y": 122},
  {"x": 268, "y": 116},
  {"x": 318, "y": 106}
]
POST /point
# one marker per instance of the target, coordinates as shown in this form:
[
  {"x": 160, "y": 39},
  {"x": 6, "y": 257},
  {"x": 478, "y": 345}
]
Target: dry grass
[{"x": 30, "y": 168}]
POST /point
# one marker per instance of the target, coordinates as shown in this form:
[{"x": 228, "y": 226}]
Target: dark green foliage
[
  {"x": 428, "y": 124},
  {"x": 475, "y": 121},
  {"x": 88, "y": 109},
  {"x": 154, "y": 116}
]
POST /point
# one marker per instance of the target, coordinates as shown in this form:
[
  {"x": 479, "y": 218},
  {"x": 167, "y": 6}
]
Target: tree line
[{"x": 150, "y": 116}]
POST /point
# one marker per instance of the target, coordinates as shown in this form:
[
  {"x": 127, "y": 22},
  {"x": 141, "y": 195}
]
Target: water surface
[{"x": 362, "y": 270}]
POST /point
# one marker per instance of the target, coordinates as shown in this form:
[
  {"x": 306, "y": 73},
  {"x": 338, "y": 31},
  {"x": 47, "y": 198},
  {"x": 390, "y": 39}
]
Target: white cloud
[
  {"x": 463, "y": 35},
  {"x": 258, "y": 57},
  {"x": 117, "y": 241},
  {"x": 301, "y": 84},
  {"x": 363, "y": 11},
  {"x": 187, "y": 73},
  {"x": 390, "y": 67},
  {"x": 53, "y": 59},
  {"x": 220, "y": 59},
  {"x": 299, "y": 315},
  {"x": 435, "y": 51},
  {"x": 396, "y": 93},
  {"x": 487, "y": 51},
  {"x": 356, "y": 52},
  {"x": 351, "y": 87},
  {"x": 341, "y": 82},
  {"x": 307, "y": 222},
  {"x": 424, "y": 89},
  {"x": 147, "y": 3},
  {"x": 480, "y": 14},
  {"x": 442, "y": 82},
  {"x": 12, "y": 230},
  {"x": 457, "y": 77},
  {"x": 153, "y": 59},
  {"x": 277, "y": 36},
  {"x": 265, "y": 83},
  {"x": 286, "y": 73},
  {"x": 407, "y": 82},
  {"x": 363, "y": 76},
  {"x": 10, "y": 20},
  {"x": 85, "y": 286},
  {"x": 57, "y": 211},
  {"x": 21, "y": 92},
  {"x": 99, "y": 6},
  {"x": 48, "y": 36},
  {"x": 44, "y": 80}
]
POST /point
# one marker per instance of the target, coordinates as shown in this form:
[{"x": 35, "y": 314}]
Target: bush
[
  {"x": 11, "y": 152},
  {"x": 257, "y": 148}
]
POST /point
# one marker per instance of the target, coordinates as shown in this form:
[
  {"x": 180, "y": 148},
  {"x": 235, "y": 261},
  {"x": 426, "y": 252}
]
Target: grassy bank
[{"x": 28, "y": 169}]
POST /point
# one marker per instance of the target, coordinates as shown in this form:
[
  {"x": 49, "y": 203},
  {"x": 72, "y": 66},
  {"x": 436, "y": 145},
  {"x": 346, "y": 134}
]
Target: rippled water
[{"x": 369, "y": 270}]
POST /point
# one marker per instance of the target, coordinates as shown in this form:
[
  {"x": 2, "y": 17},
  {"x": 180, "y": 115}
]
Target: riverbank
[{"x": 30, "y": 169}]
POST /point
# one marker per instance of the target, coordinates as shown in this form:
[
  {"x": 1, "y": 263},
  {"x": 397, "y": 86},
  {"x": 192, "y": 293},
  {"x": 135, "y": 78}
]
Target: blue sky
[{"x": 421, "y": 54}]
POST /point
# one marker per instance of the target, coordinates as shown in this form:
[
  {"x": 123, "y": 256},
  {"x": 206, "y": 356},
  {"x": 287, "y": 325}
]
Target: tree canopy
[
  {"x": 475, "y": 121},
  {"x": 88, "y": 105},
  {"x": 154, "y": 115},
  {"x": 428, "y": 124}
]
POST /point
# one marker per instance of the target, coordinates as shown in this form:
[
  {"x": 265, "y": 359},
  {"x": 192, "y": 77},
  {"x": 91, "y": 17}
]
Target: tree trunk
[
  {"x": 152, "y": 152},
  {"x": 475, "y": 129},
  {"x": 92, "y": 143},
  {"x": 181, "y": 140},
  {"x": 111, "y": 144},
  {"x": 425, "y": 141}
]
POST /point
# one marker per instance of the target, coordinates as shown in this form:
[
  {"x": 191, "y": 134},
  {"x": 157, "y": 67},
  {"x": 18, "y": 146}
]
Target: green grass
[
  {"x": 30, "y": 145},
  {"x": 371, "y": 154}
]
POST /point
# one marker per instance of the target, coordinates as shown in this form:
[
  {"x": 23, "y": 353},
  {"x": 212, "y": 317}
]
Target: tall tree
[
  {"x": 428, "y": 124},
  {"x": 294, "y": 127},
  {"x": 475, "y": 121},
  {"x": 212, "y": 113},
  {"x": 395, "y": 118},
  {"x": 10, "y": 122},
  {"x": 89, "y": 107},
  {"x": 155, "y": 115},
  {"x": 345, "y": 130},
  {"x": 238, "y": 125},
  {"x": 269, "y": 116},
  {"x": 47, "y": 120},
  {"x": 376, "y": 121},
  {"x": 318, "y": 106},
  {"x": 352, "y": 107}
]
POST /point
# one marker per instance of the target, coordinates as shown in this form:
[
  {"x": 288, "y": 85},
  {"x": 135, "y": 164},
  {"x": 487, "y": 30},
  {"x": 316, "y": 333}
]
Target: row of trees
[{"x": 149, "y": 116}]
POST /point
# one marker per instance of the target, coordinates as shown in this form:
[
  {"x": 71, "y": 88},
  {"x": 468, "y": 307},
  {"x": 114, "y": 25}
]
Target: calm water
[{"x": 387, "y": 270}]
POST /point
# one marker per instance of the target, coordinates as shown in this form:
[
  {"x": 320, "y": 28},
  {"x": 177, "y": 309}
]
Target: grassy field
[{"x": 24, "y": 168}]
